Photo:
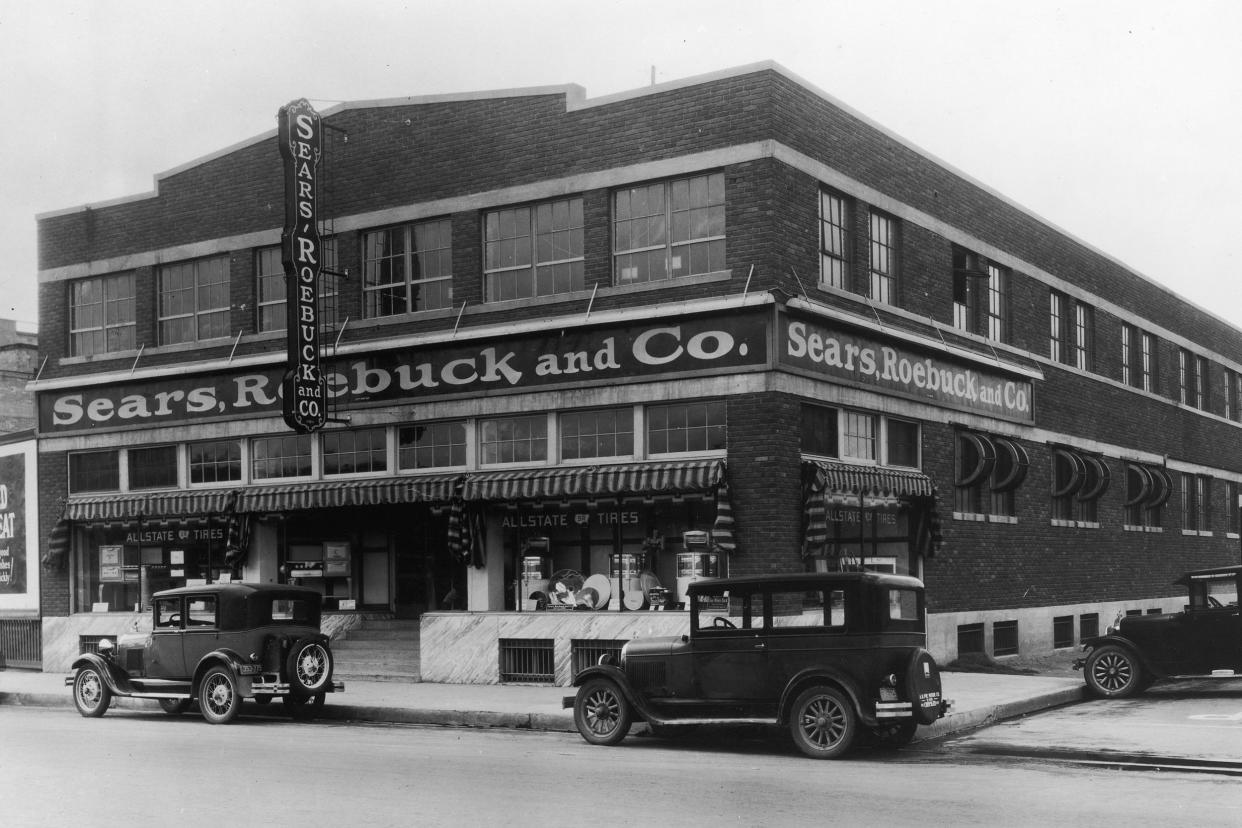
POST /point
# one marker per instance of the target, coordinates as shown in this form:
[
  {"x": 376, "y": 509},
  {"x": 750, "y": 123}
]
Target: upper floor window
[
  {"x": 432, "y": 445},
  {"x": 194, "y": 300},
  {"x": 1233, "y": 395},
  {"x": 94, "y": 471},
  {"x": 834, "y": 240},
  {"x": 356, "y": 451},
  {"x": 883, "y": 258},
  {"x": 289, "y": 455},
  {"x": 681, "y": 427},
  {"x": 152, "y": 467},
  {"x": 669, "y": 229},
  {"x": 1192, "y": 379},
  {"x": 1196, "y": 502},
  {"x": 1078, "y": 481},
  {"x": 1147, "y": 490},
  {"x": 1084, "y": 337},
  {"x": 534, "y": 251},
  {"x": 514, "y": 439},
  {"x": 1058, "y": 327},
  {"x": 603, "y": 433},
  {"x": 272, "y": 292},
  {"x": 407, "y": 268},
  {"x": 988, "y": 471},
  {"x": 980, "y": 296},
  {"x": 101, "y": 315},
  {"x": 215, "y": 462},
  {"x": 860, "y": 435},
  {"x": 1071, "y": 332},
  {"x": 1138, "y": 358},
  {"x": 998, "y": 303}
]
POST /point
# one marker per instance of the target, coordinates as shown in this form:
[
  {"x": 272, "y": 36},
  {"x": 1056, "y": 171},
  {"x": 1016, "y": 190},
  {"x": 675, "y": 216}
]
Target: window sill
[
  {"x": 970, "y": 516},
  {"x": 1200, "y": 533},
  {"x": 1130, "y": 527},
  {"x": 1010, "y": 519},
  {"x": 1076, "y": 524}
]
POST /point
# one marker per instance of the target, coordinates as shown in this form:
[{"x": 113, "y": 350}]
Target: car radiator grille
[{"x": 646, "y": 674}]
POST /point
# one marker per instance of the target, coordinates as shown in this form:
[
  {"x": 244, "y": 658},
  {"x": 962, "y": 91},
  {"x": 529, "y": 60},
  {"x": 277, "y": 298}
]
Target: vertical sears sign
[{"x": 301, "y": 146}]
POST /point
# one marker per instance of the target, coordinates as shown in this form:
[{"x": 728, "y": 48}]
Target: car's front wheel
[
  {"x": 174, "y": 707},
  {"x": 304, "y": 708},
  {"x": 602, "y": 714},
  {"x": 217, "y": 696},
  {"x": 1113, "y": 672},
  {"x": 90, "y": 692},
  {"x": 309, "y": 666},
  {"x": 823, "y": 722}
]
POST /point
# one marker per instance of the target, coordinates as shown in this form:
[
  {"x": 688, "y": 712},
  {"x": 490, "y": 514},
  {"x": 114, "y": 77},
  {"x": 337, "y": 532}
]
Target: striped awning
[
  {"x": 596, "y": 481},
  {"x": 832, "y": 485},
  {"x": 869, "y": 481},
  {"x": 129, "y": 507},
  {"x": 303, "y": 496}
]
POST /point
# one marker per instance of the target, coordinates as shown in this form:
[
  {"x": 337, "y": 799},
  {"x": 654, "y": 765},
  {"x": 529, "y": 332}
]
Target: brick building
[
  {"x": 565, "y": 337},
  {"x": 19, "y": 352}
]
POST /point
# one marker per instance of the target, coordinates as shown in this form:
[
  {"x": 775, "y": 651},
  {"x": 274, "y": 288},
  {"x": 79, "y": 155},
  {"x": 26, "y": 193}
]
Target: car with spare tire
[
  {"x": 1203, "y": 641},
  {"x": 834, "y": 657},
  {"x": 215, "y": 645}
]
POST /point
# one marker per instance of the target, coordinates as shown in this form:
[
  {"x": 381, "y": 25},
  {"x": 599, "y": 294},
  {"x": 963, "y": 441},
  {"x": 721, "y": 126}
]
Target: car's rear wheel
[
  {"x": 217, "y": 696},
  {"x": 309, "y": 666},
  {"x": 174, "y": 707},
  {"x": 602, "y": 714},
  {"x": 1113, "y": 672},
  {"x": 304, "y": 708},
  {"x": 823, "y": 722},
  {"x": 90, "y": 692}
]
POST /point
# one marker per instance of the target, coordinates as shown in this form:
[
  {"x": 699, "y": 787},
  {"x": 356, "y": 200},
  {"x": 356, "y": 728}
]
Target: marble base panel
[{"x": 464, "y": 647}]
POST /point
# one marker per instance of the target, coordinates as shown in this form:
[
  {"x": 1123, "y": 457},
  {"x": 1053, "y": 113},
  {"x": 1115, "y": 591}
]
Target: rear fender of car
[
  {"x": 832, "y": 678},
  {"x": 618, "y": 677},
  {"x": 113, "y": 675},
  {"x": 228, "y": 658},
  {"x": 1120, "y": 641}
]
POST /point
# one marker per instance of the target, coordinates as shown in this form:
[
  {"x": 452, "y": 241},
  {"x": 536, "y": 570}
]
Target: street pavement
[{"x": 978, "y": 699}]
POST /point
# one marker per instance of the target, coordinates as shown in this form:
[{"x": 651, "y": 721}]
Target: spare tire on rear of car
[
  {"x": 309, "y": 666},
  {"x": 922, "y": 685}
]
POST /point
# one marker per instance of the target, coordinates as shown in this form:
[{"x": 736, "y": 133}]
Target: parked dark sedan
[
  {"x": 216, "y": 645},
  {"x": 1202, "y": 641},
  {"x": 828, "y": 655}
]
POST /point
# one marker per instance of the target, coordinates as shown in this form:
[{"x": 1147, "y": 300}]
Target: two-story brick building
[{"x": 578, "y": 351}]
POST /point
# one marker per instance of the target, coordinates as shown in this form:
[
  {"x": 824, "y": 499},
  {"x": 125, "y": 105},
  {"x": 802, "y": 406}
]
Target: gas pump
[
  {"x": 696, "y": 562},
  {"x": 536, "y": 570}
]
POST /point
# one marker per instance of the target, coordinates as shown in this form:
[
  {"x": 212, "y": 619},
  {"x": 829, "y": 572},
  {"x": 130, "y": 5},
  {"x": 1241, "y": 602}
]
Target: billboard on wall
[
  {"x": 19, "y": 527},
  {"x": 639, "y": 350},
  {"x": 824, "y": 348}
]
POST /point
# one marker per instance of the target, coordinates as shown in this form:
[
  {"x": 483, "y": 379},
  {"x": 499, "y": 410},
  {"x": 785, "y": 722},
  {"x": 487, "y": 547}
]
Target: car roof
[
  {"x": 804, "y": 580},
  {"x": 1211, "y": 574},
  {"x": 239, "y": 590}
]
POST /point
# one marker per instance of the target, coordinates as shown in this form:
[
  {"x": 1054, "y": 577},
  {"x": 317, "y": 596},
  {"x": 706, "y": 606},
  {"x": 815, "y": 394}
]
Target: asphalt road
[{"x": 140, "y": 768}]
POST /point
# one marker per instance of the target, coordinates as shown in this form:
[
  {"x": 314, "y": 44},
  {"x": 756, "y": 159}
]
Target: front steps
[{"x": 379, "y": 650}]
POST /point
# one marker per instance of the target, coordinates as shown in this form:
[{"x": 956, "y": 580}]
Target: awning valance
[
  {"x": 152, "y": 505},
  {"x": 434, "y": 489},
  {"x": 596, "y": 481},
  {"x": 871, "y": 482}
]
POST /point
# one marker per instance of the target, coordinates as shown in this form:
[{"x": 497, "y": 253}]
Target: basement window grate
[{"x": 527, "y": 660}]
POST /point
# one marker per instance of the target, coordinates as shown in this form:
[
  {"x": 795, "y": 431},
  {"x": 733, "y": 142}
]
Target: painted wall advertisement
[
  {"x": 890, "y": 366},
  {"x": 639, "y": 351},
  {"x": 19, "y": 587}
]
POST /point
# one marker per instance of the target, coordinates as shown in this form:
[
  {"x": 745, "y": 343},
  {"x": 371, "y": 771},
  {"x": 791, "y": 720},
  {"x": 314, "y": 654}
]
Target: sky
[{"x": 1117, "y": 121}]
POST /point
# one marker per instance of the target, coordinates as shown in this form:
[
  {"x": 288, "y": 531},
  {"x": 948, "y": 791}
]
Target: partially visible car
[
  {"x": 1202, "y": 641},
  {"x": 831, "y": 656},
  {"x": 215, "y": 645}
]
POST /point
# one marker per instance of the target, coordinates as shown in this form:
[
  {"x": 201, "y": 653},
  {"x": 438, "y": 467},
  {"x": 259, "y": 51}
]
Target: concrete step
[
  {"x": 388, "y": 675},
  {"x": 356, "y": 654},
  {"x": 380, "y": 635},
  {"x": 410, "y": 624}
]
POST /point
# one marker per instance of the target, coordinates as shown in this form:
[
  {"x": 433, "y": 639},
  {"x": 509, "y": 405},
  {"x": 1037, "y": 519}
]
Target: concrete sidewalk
[{"x": 978, "y": 699}]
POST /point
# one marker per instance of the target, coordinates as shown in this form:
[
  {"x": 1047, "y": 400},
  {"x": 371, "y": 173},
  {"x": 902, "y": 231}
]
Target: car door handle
[{"x": 761, "y": 646}]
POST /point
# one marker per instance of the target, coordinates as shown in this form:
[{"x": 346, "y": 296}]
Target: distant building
[
  {"x": 19, "y": 361},
  {"x": 566, "y": 335}
]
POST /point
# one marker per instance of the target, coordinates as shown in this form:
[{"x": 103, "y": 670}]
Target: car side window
[
  {"x": 168, "y": 613},
  {"x": 814, "y": 608},
  {"x": 726, "y": 611},
  {"x": 201, "y": 611}
]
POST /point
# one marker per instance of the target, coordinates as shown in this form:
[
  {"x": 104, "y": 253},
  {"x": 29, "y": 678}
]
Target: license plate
[{"x": 888, "y": 694}]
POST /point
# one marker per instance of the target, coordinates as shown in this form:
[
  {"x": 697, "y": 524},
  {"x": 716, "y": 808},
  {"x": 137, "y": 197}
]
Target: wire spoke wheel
[
  {"x": 218, "y": 699},
  {"x": 90, "y": 694}
]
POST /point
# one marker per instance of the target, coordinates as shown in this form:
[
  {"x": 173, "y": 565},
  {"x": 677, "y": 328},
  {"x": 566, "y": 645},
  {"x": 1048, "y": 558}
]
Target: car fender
[
  {"x": 114, "y": 677},
  {"x": 229, "y": 658},
  {"x": 1121, "y": 641},
  {"x": 819, "y": 675},
  {"x": 617, "y": 676}
]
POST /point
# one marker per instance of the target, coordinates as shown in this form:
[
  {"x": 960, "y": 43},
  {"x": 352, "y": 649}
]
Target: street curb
[{"x": 969, "y": 720}]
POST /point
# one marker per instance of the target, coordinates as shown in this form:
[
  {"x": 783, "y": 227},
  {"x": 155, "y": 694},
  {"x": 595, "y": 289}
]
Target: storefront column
[
  {"x": 261, "y": 559},
  {"x": 485, "y": 588}
]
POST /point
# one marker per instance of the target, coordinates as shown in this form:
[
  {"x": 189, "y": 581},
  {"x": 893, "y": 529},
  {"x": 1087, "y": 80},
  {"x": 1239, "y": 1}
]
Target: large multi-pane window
[
  {"x": 602, "y": 433},
  {"x": 1232, "y": 506},
  {"x": 1196, "y": 502},
  {"x": 1138, "y": 358},
  {"x": 533, "y": 250},
  {"x": 1058, "y": 327},
  {"x": 194, "y": 300},
  {"x": 272, "y": 291},
  {"x": 819, "y": 431},
  {"x": 859, "y": 435},
  {"x": 1071, "y": 332},
  {"x": 669, "y": 229},
  {"x": 998, "y": 303},
  {"x": 689, "y": 426},
  {"x": 101, "y": 315},
  {"x": 432, "y": 445},
  {"x": 152, "y": 468},
  {"x": 218, "y": 461},
  {"x": 883, "y": 236},
  {"x": 407, "y": 268},
  {"x": 514, "y": 439},
  {"x": 284, "y": 456},
  {"x": 981, "y": 296},
  {"x": 356, "y": 451},
  {"x": 1233, "y": 395},
  {"x": 834, "y": 240},
  {"x": 94, "y": 471},
  {"x": 1084, "y": 337}
]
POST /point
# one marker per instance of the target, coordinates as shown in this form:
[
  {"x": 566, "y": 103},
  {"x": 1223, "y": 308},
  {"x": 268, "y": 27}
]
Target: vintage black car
[
  {"x": 215, "y": 644},
  {"x": 1202, "y": 641},
  {"x": 830, "y": 655}
]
